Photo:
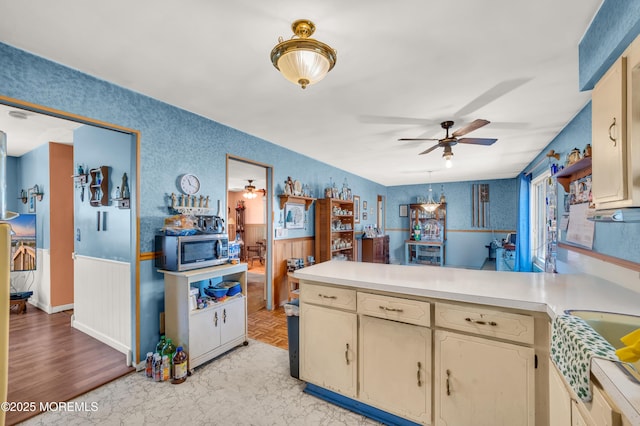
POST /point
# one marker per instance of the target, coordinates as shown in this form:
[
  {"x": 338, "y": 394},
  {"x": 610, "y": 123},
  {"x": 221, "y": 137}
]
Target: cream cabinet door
[
  {"x": 232, "y": 315},
  {"x": 559, "y": 399},
  {"x": 609, "y": 163},
  {"x": 395, "y": 368},
  {"x": 482, "y": 382},
  {"x": 204, "y": 332},
  {"x": 328, "y": 348},
  {"x": 576, "y": 416}
]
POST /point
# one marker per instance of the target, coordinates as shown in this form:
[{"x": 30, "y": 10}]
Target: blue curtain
[{"x": 523, "y": 247}]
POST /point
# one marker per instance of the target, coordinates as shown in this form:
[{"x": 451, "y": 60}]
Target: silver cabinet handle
[
  {"x": 346, "y": 354},
  {"x": 448, "y": 388},
  {"x": 324, "y": 296},
  {"x": 215, "y": 319},
  {"x": 480, "y": 322},
  {"x": 224, "y": 316},
  {"x": 391, "y": 309},
  {"x": 611, "y": 128},
  {"x": 419, "y": 380}
]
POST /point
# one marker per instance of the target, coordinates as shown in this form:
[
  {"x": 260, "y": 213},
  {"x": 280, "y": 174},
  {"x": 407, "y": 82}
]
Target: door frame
[
  {"x": 269, "y": 220},
  {"x": 135, "y": 226}
]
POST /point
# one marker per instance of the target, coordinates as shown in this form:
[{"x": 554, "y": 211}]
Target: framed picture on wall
[
  {"x": 364, "y": 206},
  {"x": 364, "y": 215},
  {"x": 294, "y": 216},
  {"x": 356, "y": 208},
  {"x": 404, "y": 210}
]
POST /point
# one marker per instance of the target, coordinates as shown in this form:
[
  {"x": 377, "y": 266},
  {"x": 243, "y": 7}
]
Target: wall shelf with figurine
[
  {"x": 573, "y": 172},
  {"x": 122, "y": 194},
  {"x": 191, "y": 205},
  {"x": 99, "y": 186},
  {"x": 285, "y": 198},
  {"x": 296, "y": 192}
]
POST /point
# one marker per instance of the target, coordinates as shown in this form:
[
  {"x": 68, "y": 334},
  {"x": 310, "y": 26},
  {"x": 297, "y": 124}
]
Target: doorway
[
  {"x": 53, "y": 281},
  {"x": 249, "y": 225}
]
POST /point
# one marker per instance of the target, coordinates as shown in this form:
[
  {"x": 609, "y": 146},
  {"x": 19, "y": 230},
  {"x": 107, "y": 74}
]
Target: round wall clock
[{"x": 189, "y": 184}]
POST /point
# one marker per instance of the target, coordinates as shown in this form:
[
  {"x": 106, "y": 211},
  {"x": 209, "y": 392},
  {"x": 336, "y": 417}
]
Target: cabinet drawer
[
  {"x": 334, "y": 297},
  {"x": 486, "y": 322},
  {"x": 395, "y": 308}
]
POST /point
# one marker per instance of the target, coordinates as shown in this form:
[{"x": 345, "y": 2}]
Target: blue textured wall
[
  {"x": 614, "y": 27},
  {"x": 173, "y": 142},
  {"x": 610, "y": 238},
  {"x": 465, "y": 246}
]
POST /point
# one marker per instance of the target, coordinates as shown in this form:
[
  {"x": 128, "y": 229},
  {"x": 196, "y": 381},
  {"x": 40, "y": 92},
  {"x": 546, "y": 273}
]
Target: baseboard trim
[
  {"x": 61, "y": 308},
  {"x": 356, "y": 406},
  {"x": 104, "y": 339}
]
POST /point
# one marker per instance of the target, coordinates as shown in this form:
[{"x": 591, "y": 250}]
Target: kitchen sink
[{"x": 612, "y": 326}]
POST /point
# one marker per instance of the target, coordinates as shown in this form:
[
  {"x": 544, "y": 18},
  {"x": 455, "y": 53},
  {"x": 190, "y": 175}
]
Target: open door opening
[{"x": 249, "y": 224}]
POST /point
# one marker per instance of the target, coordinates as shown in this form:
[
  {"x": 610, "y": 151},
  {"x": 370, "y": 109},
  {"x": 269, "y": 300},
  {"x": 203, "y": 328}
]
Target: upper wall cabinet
[{"x": 616, "y": 133}]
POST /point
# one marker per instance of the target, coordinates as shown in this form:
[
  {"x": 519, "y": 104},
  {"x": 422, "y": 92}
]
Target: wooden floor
[
  {"x": 269, "y": 327},
  {"x": 49, "y": 361}
]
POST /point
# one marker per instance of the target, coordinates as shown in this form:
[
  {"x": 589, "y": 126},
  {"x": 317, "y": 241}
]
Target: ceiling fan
[
  {"x": 448, "y": 141},
  {"x": 250, "y": 190}
]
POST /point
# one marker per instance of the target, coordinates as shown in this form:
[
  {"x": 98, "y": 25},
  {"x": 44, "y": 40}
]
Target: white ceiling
[
  {"x": 402, "y": 68},
  {"x": 25, "y": 134}
]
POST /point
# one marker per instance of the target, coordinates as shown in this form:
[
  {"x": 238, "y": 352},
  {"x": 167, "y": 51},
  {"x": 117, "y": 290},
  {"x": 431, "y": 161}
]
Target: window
[{"x": 538, "y": 205}]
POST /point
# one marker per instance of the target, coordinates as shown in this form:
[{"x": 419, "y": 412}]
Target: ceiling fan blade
[
  {"x": 418, "y": 139},
  {"x": 475, "y": 124},
  {"x": 477, "y": 141},
  {"x": 491, "y": 95},
  {"x": 429, "y": 150}
]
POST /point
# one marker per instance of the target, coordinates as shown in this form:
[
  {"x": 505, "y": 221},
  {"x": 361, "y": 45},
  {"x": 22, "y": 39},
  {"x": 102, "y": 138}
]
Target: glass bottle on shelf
[{"x": 334, "y": 191}]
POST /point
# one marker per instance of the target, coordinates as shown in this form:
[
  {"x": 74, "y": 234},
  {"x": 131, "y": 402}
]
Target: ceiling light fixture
[
  {"x": 431, "y": 205},
  {"x": 250, "y": 190},
  {"x": 303, "y": 60},
  {"x": 448, "y": 156}
]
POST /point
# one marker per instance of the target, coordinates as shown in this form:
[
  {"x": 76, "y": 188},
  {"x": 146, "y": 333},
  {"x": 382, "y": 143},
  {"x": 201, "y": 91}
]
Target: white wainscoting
[
  {"x": 41, "y": 281},
  {"x": 102, "y": 301}
]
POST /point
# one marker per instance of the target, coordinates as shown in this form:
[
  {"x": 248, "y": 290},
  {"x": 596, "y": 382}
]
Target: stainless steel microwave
[{"x": 182, "y": 253}]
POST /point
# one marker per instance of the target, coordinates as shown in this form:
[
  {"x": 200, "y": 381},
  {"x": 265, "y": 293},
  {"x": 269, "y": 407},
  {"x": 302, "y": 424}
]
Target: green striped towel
[{"x": 573, "y": 344}]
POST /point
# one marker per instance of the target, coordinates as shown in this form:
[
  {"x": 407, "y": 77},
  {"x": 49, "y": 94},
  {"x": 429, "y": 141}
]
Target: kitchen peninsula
[{"x": 447, "y": 329}]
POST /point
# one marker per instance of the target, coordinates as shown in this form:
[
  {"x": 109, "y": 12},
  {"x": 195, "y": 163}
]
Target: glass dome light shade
[{"x": 303, "y": 60}]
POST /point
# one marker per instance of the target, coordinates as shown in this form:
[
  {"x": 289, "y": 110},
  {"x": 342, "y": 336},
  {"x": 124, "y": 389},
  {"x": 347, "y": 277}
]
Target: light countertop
[{"x": 538, "y": 292}]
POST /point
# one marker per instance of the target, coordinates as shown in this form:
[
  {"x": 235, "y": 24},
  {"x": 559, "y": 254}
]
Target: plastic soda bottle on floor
[
  {"x": 168, "y": 350},
  {"x": 149, "y": 365},
  {"x": 157, "y": 368},
  {"x": 166, "y": 368},
  {"x": 180, "y": 370},
  {"x": 161, "y": 344}
]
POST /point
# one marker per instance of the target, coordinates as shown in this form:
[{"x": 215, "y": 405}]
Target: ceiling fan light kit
[
  {"x": 303, "y": 60},
  {"x": 250, "y": 191},
  {"x": 448, "y": 156}
]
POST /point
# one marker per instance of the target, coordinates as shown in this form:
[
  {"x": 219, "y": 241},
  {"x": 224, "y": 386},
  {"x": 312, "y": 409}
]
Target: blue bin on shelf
[{"x": 292, "y": 310}]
